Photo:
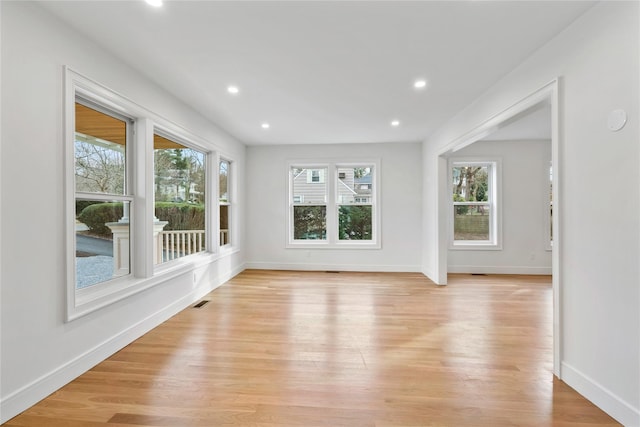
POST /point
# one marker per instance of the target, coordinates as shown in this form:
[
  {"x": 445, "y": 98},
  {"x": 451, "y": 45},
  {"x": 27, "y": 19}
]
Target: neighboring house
[
  {"x": 363, "y": 187},
  {"x": 178, "y": 193},
  {"x": 310, "y": 186}
]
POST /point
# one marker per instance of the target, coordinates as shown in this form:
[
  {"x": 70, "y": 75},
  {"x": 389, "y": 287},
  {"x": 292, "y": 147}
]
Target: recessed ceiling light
[
  {"x": 154, "y": 3},
  {"x": 265, "y": 125},
  {"x": 420, "y": 84},
  {"x": 233, "y": 90},
  {"x": 395, "y": 123}
]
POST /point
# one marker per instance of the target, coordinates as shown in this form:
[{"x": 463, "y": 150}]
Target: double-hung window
[
  {"x": 179, "y": 199},
  {"x": 103, "y": 197},
  {"x": 333, "y": 205},
  {"x": 309, "y": 195},
  {"x": 355, "y": 203},
  {"x": 138, "y": 197},
  {"x": 475, "y": 211}
]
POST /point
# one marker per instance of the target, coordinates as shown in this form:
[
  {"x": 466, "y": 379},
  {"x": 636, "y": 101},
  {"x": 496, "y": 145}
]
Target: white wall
[
  {"x": 39, "y": 352},
  {"x": 400, "y": 202},
  {"x": 597, "y": 61},
  {"x": 525, "y": 210}
]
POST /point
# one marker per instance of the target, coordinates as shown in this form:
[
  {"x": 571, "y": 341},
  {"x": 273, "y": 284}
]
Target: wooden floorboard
[{"x": 293, "y": 349}]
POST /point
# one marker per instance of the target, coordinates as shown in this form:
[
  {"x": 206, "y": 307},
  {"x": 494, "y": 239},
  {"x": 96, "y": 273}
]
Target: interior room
[{"x": 317, "y": 177}]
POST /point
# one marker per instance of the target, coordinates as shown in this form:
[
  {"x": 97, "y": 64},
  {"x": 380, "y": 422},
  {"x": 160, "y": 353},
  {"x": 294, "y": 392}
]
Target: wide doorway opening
[{"x": 498, "y": 198}]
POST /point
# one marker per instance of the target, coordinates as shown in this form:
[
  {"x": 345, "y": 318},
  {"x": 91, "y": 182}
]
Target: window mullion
[
  {"x": 212, "y": 211},
  {"x": 141, "y": 171},
  {"x": 331, "y": 203}
]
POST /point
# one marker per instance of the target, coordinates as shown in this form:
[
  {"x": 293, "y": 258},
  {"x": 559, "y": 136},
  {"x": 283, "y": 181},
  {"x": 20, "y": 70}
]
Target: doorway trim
[{"x": 548, "y": 93}]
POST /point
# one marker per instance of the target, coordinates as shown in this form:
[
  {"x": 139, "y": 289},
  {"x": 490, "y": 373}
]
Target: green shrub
[
  {"x": 310, "y": 222},
  {"x": 355, "y": 223},
  {"x": 95, "y": 216},
  {"x": 81, "y": 204},
  {"x": 460, "y": 209},
  {"x": 181, "y": 216}
]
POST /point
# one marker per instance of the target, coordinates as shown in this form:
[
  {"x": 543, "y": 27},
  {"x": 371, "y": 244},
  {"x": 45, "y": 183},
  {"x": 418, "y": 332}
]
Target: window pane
[
  {"x": 310, "y": 186},
  {"x": 470, "y": 183},
  {"x": 102, "y": 242},
  {"x": 355, "y": 185},
  {"x": 224, "y": 225},
  {"x": 224, "y": 181},
  {"x": 179, "y": 193},
  {"x": 100, "y": 142},
  {"x": 355, "y": 223},
  {"x": 471, "y": 222},
  {"x": 310, "y": 222},
  {"x": 224, "y": 202}
]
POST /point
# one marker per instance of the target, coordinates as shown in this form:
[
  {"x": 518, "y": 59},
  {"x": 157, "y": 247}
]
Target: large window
[
  {"x": 333, "y": 205},
  {"x": 140, "y": 207},
  {"x": 179, "y": 195},
  {"x": 474, "y": 211},
  {"x": 102, "y": 194}
]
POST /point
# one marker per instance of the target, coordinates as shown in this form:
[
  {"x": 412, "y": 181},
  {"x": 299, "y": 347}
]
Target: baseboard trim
[
  {"x": 333, "y": 267},
  {"x": 32, "y": 393},
  {"x": 428, "y": 274},
  {"x": 494, "y": 269},
  {"x": 600, "y": 396}
]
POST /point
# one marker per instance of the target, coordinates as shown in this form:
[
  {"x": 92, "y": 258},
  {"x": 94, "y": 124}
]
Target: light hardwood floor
[{"x": 336, "y": 349}]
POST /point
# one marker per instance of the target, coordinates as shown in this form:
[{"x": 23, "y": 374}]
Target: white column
[
  {"x": 158, "y": 226},
  {"x": 121, "y": 249}
]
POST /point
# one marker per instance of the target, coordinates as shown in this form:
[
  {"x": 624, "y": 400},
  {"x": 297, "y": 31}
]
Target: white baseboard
[
  {"x": 600, "y": 396},
  {"x": 333, "y": 267},
  {"x": 494, "y": 269},
  {"x": 428, "y": 274},
  {"x": 32, "y": 393}
]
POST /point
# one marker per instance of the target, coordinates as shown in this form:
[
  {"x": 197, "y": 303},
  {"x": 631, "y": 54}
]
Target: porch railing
[
  {"x": 174, "y": 244},
  {"x": 178, "y": 243}
]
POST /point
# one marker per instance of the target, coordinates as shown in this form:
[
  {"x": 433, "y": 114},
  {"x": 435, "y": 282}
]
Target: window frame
[
  {"x": 209, "y": 157},
  {"x": 357, "y": 200},
  {"x": 291, "y": 203},
  {"x": 331, "y": 181},
  {"x": 494, "y": 172},
  {"x": 125, "y": 197},
  {"x": 143, "y": 275},
  {"x": 230, "y": 203}
]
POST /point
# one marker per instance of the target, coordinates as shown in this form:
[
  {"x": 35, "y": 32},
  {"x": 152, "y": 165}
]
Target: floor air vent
[{"x": 200, "y": 304}]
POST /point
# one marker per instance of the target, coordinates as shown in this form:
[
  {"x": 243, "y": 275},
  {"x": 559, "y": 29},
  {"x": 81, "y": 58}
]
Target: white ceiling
[{"x": 322, "y": 72}]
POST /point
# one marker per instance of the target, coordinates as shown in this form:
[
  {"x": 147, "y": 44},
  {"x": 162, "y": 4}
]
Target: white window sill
[
  {"x": 89, "y": 300},
  {"x": 475, "y": 246},
  {"x": 98, "y": 296},
  {"x": 227, "y": 250},
  {"x": 327, "y": 245}
]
